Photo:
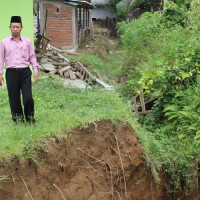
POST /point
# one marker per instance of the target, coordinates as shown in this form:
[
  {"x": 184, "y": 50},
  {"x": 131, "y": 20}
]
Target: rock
[
  {"x": 78, "y": 83},
  {"x": 48, "y": 67}
]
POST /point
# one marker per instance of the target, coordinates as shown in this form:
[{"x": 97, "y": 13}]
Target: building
[
  {"x": 64, "y": 23},
  {"x": 102, "y": 10}
]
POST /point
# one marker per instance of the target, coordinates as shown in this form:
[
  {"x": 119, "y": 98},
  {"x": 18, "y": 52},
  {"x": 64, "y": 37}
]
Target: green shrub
[
  {"x": 121, "y": 10},
  {"x": 162, "y": 56}
]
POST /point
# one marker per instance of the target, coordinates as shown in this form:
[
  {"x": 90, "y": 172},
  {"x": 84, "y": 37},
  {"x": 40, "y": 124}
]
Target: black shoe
[{"x": 32, "y": 122}]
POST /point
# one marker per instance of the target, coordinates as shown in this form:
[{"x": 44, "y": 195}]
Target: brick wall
[{"x": 59, "y": 25}]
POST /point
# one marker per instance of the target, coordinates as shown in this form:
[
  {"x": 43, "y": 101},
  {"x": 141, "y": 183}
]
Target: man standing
[{"x": 18, "y": 54}]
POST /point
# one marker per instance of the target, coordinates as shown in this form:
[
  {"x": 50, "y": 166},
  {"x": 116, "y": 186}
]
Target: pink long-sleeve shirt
[{"x": 17, "y": 54}]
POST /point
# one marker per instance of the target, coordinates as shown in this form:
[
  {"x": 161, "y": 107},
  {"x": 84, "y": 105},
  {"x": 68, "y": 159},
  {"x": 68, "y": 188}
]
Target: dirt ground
[{"x": 100, "y": 161}]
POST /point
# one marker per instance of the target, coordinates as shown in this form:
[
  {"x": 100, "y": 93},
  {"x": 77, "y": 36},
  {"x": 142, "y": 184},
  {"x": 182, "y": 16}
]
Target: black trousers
[{"x": 19, "y": 81}]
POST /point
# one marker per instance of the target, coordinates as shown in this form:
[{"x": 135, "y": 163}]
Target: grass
[
  {"x": 102, "y": 55},
  {"x": 56, "y": 109}
]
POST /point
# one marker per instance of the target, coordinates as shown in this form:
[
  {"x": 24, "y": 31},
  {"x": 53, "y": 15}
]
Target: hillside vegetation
[{"x": 162, "y": 56}]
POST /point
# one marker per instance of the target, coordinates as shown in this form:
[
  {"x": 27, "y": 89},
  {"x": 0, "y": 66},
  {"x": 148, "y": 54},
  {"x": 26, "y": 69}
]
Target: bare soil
[{"x": 100, "y": 161}]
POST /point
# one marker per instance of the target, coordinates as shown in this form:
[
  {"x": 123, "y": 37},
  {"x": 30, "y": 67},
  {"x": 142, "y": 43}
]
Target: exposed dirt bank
[{"x": 99, "y": 162}]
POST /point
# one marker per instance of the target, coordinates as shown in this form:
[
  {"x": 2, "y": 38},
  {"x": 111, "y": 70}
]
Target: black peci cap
[{"x": 16, "y": 19}]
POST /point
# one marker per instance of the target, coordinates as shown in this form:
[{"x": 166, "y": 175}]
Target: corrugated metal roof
[
  {"x": 102, "y": 13},
  {"x": 79, "y": 3}
]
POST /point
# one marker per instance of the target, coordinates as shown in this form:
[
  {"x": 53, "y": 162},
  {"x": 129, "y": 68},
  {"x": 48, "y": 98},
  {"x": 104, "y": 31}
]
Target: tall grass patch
[{"x": 56, "y": 109}]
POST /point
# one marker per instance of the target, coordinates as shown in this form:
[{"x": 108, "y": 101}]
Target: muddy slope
[{"x": 101, "y": 161}]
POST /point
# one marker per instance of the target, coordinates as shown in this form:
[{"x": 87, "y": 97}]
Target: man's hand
[
  {"x": 1, "y": 79},
  {"x": 35, "y": 77}
]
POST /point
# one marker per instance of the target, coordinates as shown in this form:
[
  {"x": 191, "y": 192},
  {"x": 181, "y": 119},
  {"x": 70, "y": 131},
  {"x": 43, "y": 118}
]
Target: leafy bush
[
  {"x": 165, "y": 58},
  {"x": 151, "y": 5},
  {"x": 121, "y": 10},
  {"x": 173, "y": 14},
  {"x": 138, "y": 40},
  {"x": 162, "y": 56},
  {"x": 182, "y": 2},
  {"x": 184, "y": 111}
]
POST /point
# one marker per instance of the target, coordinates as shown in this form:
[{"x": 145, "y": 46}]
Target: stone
[{"x": 48, "y": 67}]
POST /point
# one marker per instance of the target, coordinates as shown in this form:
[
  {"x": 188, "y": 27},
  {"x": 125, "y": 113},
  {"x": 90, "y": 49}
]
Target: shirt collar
[{"x": 11, "y": 37}]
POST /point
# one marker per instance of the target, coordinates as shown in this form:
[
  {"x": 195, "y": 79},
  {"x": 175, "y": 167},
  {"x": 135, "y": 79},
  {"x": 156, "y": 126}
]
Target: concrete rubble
[{"x": 74, "y": 74}]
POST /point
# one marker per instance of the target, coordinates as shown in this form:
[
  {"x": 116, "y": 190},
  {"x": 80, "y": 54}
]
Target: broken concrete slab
[
  {"x": 48, "y": 67},
  {"x": 78, "y": 83},
  {"x": 44, "y": 60},
  {"x": 106, "y": 86}
]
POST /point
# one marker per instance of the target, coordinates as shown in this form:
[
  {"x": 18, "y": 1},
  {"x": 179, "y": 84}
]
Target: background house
[
  {"x": 102, "y": 10},
  {"x": 103, "y": 15},
  {"x": 65, "y": 23}
]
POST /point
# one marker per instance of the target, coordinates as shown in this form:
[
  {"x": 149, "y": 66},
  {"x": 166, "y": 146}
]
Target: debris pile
[{"x": 52, "y": 62}]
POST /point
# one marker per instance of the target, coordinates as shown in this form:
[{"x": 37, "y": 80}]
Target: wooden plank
[
  {"x": 135, "y": 104},
  {"x": 53, "y": 72},
  {"x": 39, "y": 51},
  {"x": 61, "y": 56},
  {"x": 83, "y": 74},
  {"x": 146, "y": 112},
  {"x": 72, "y": 75},
  {"x": 149, "y": 104},
  {"x": 59, "y": 50},
  {"x": 49, "y": 53},
  {"x": 142, "y": 101},
  {"x": 56, "y": 64},
  {"x": 62, "y": 70},
  {"x": 65, "y": 69},
  {"x": 98, "y": 74},
  {"x": 79, "y": 75},
  {"x": 59, "y": 69},
  {"x": 88, "y": 73},
  {"x": 81, "y": 71}
]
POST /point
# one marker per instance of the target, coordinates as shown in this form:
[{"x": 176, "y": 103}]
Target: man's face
[{"x": 16, "y": 29}]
